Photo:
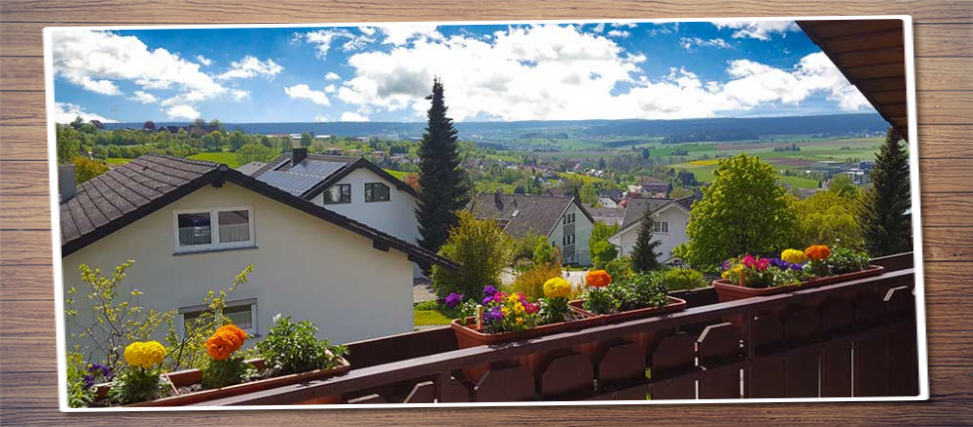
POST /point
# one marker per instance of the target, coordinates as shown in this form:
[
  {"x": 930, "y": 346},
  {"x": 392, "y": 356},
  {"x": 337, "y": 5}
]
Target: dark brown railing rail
[{"x": 850, "y": 339}]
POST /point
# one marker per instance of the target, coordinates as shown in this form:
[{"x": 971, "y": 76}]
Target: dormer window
[
  {"x": 209, "y": 229},
  {"x": 376, "y": 192},
  {"x": 340, "y": 193}
]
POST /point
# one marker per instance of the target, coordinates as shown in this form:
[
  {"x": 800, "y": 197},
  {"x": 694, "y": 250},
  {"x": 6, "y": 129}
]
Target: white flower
[{"x": 276, "y": 318}]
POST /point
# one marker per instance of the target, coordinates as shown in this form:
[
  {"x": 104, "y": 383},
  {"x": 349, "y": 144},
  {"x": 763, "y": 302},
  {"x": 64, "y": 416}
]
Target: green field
[
  {"x": 429, "y": 317},
  {"x": 398, "y": 174},
  {"x": 117, "y": 160},
  {"x": 226, "y": 157}
]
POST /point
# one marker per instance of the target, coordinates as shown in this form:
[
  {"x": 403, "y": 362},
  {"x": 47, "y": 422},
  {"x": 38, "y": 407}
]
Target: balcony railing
[{"x": 850, "y": 339}]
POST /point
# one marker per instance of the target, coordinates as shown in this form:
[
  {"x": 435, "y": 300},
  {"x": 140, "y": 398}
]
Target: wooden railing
[{"x": 850, "y": 339}]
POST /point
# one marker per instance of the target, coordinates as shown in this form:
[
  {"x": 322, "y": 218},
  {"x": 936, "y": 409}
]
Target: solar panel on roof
[
  {"x": 295, "y": 184},
  {"x": 318, "y": 168}
]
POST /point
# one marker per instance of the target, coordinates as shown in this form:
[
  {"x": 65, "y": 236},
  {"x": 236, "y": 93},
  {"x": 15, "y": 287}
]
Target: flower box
[
  {"x": 731, "y": 292},
  {"x": 190, "y": 377},
  {"x": 674, "y": 305}
]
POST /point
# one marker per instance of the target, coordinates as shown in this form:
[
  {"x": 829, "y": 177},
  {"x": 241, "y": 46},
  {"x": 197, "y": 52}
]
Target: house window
[
  {"x": 568, "y": 239},
  {"x": 568, "y": 218},
  {"x": 242, "y": 313},
  {"x": 340, "y": 193},
  {"x": 376, "y": 192},
  {"x": 661, "y": 227},
  {"x": 200, "y": 230}
]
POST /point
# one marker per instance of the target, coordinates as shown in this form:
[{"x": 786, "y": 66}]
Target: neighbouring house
[
  {"x": 353, "y": 187},
  {"x": 191, "y": 226},
  {"x": 670, "y": 218},
  {"x": 606, "y": 214},
  {"x": 652, "y": 185},
  {"x": 565, "y": 222},
  {"x": 607, "y": 202}
]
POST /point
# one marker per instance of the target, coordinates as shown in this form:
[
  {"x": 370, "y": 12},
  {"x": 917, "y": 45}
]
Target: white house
[
  {"x": 565, "y": 222},
  {"x": 669, "y": 216},
  {"x": 350, "y": 186},
  {"x": 192, "y": 226}
]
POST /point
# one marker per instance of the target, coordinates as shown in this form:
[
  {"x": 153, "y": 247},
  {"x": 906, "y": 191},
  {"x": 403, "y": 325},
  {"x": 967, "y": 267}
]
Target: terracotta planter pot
[
  {"x": 643, "y": 339},
  {"x": 731, "y": 292},
  {"x": 467, "y": 336},
  {"x": 194, "y": 376}
]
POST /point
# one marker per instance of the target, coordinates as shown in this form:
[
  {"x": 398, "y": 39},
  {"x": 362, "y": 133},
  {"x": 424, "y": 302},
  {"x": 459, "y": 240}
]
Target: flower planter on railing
[
  {"x": 728, "y": 291},
  {"x": 674, "y": 305},
  {"x": 467, "y": 334}
]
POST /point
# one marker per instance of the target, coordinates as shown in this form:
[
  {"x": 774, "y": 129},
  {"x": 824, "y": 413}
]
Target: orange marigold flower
[
  {"x": 226, "y": 340},
  {"x": 598, "y": 278},
  {"x": 817, "y": 252}
]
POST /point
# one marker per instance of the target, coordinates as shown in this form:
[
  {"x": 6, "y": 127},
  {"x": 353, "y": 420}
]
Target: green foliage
[
  {"x": 743, "y": 211},
  {"x": 427, "y": 305},
  {"x": 644, "y": 257},
  {"x": 85, "y": 169},
  {"x": 600, "y": 301},
  {"x": 843, "y": 186},
  {"x": 237, "y": 140},
  {"x": 443, "y": 185},
  {"x": 254, "y": 152},
  {"x": 588, "y": 194},
  {"x": 619, "y": 268},
  {"x": 523, "y": 247},
  {"x": 306, "y": 139},
  {"x": 678, "y": 279},
  {"x": 482, "y": 250},
  {"x": 887, "y": 230},
  {"x": 545, "y": 253},
  {"x": 829, "y": 218},
  {"x": 80, "y": 393},
  {"x": 222, "y": 373},
  {"x": 68, "y": 144},
  {"x": 601, "y": 255},
  {"x": 553, "y": 310},
  {"x": 135, "y": 384},
  {"x": 845, "y": 260},
  {"x": 531, "y": 281},
  {"x": 641, "y": 291},
  {"x": 291, "y": 348}
]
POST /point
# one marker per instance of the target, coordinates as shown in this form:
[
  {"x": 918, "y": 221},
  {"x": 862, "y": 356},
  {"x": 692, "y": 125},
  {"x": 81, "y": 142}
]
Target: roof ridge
[{"x": 197, "y": 162}]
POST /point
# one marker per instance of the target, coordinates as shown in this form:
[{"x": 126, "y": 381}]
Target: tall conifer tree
[
  {"x": 644, "y": 257},
  {"x": 443, "y": 185},
  {"x": 887, "y": 229}
]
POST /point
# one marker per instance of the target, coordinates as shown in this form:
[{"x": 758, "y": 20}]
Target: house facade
[
  {"x": 192, "y": 226},
  {"x": 562, "y": 219},
  {"x": 670, "y": 218}
]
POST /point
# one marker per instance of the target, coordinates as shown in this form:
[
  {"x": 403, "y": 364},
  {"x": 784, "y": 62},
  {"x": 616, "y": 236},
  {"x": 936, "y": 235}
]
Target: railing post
[{"x": 750, "y": 350}]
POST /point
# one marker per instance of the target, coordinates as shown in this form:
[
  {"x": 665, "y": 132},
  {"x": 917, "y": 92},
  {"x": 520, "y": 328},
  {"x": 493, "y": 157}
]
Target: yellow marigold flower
[
  {"x": 505, "y": 310},
  {"x": 557, "y": 288},
  {"x": 520, "y": 320},
  {"x": 145, "y": 354},
  {"x": 226, "y": 340},
  {"x": 513, "y": 298},
  {"x": 793, "y": 256},
  {"x": 598, "y": 278},
  {"x": 817, "y": 252}
]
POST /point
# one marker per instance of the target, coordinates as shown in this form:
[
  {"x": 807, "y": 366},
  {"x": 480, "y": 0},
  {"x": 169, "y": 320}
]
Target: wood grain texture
[{"x": 944, "y": 52}]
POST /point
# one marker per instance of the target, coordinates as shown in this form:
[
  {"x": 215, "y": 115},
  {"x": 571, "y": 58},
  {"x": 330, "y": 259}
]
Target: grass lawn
[
  {"x": 230, "y": 159},
  {"x": 398, "y": 174},
  {"x": 117, "y": 160},
  {"x": 429, "y": 317}
]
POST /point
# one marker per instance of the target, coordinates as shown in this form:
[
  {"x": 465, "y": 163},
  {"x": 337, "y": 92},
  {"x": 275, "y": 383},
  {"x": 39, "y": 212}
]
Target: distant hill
[{"x": 687, "y": 130}]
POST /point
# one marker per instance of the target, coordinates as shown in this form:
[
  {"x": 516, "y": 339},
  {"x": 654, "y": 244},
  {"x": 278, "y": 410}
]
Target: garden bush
[{"x": 678, "y": 279}]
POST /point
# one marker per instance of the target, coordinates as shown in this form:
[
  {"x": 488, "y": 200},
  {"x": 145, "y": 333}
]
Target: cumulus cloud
[
  {"x": 182, "y": 112},
  {"x": 332, "y": 76},
  {"x": 66, "y": 113},
  {"x": 144, "y": 97},
  {"x": 250, "y": 67},
  {"x": 303, "y": 91},
  {"x": 353, "y": 117},
  {"x": 692, "y": 43},
  {"x": 94, "y": 60},
  {"x": 402, "y": 34},
  {"x": 553, "y": 72},
  {"x": 761, "y": 30},
  {"x": 239, "y": 94},
  {"x": 619, "y": 33},
  {"x": 600, "y": 28},
  {"x": 330, "y": 89},
  {"x": 323, "y": 39},
  {"x": 204, "y": 60}
]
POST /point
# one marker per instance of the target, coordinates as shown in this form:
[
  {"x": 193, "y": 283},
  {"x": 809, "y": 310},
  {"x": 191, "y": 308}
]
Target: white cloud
[
  {"x": 183, "y": 112},
  {"x": 303, "y": 91},
  {"x": 402, "y": 34},
  {"x": 619, "y": 33},
  {"x": 250, "y": 67},
  {"x": 353, "y": 117},
  {"x": 67, "y": 112},
  {"x": 624, "y": 25},
  {"x": 204, "y": 60},
  {"x": 663, "y": 28},
  {"x": 761, "y": 30},
  {"x": 330, "y": 89},
  {"x": 144, "y": 97},
  {"x": 600, "y": 28},
  {"x": 691, "y": 43},
  {"x": 321, "y": 118},
  {"x": 368, "y": 31},
  {"x": 95, "y": 60},
  {"x": 332, "y": 76},
  {"x": 555, "y": 72},
  {"x": 239, "y": 94},
  {"x": 323, "y": 39}
]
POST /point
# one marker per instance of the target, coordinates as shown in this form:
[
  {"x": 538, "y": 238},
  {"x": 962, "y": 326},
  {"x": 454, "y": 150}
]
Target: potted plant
[
  {"x": 142, "y": 379},
  {"x": 290, "y": 354},
  {"x": 818, "y": 265},
  {"x": 639, "y": 296}
]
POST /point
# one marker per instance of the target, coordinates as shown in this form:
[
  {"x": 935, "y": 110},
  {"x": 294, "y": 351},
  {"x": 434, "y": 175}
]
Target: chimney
[
  {"x": 299, "y": 154},
  {"x": 498, "y": 199},
  {"x": 67, "y": 182}
]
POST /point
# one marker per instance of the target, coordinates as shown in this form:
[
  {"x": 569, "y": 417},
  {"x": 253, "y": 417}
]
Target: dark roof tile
[{"x": 523, "y": 214}]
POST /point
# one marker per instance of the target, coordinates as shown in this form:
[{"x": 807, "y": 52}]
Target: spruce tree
[
  {"x": 887, "y": 229},
  {"x": 443, "y": 185},
  {"x": 644, "y": 257}
]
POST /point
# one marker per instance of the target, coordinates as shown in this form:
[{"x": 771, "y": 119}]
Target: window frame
[
  {"x": 214, "y": 215},
  {"x": 252, "y": 302},
  {"x": 365, "y": 192},
  {"x": 660, "y": 227},
  {"x": 340, "y": 194}
]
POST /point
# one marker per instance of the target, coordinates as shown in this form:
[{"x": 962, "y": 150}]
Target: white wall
[
  {"x": 582, "y": 232},
  {"x": 304, "y": 267},
  {"x": 677, "y": 218}
]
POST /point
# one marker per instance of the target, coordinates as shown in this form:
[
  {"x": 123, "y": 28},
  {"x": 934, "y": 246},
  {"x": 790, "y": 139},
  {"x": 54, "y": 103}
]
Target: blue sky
[{"x": 491, "y": 72}]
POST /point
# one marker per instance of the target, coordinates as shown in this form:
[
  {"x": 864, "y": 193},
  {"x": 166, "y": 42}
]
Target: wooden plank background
[{"x": 944, "y": 64}]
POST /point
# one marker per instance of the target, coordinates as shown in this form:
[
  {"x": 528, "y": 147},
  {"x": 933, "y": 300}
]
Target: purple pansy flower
[
  {"x": 495, "y": 314},
  {"x": 453, "y": 299},
  {"x": 489, "y": 290},
  {"x": 89, "y": 381},
  {"x": 96, "y": 368}
]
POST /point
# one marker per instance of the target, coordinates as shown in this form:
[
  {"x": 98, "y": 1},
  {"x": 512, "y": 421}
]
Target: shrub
[
  {"x": 678, "y": 279},
  {"x": 427, "y": 305},
  {"x": 482, "y": 250},
  {"x": 85, "y": 168},
  {"x": 619, "y": 268},
  {"x": 523, "y": 247},
  {"x": 641, "y": 291},
  {"x": 545, "y": 253},
  {"x": 602, "y": 253},
  {"x": 291, "y": 348},
  {"x": 844, "y": 260},
  {"x": 531, "y": 282}
]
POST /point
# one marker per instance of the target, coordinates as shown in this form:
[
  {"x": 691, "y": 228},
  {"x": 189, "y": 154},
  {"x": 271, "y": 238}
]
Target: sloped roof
[
  {"x": 318, "y": 172},
  {"x": 524, "y": 214},
  {"x": 638, "y": 205},
  {"x": 127, "y": 193}
]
